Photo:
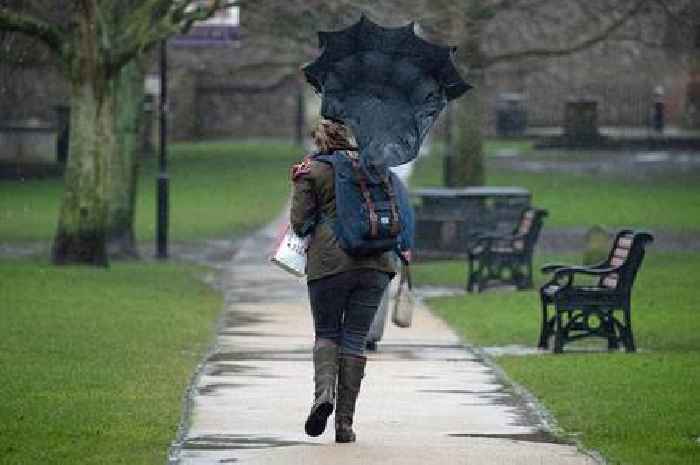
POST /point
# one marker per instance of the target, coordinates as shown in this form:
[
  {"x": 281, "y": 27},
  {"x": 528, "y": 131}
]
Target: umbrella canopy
[{"x": 387, "y": 84}]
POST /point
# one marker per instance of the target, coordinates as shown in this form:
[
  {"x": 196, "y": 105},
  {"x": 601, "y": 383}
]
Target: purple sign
[
  {"x": 208, "y": 35},
  {"x": 221, "y": 29}
]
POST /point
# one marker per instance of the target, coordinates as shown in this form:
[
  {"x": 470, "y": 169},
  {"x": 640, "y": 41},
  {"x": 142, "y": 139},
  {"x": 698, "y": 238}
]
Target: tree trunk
[
  {"x": 467, "y": 164},
  {"x": 82, "y": 225},
  {"x": 123, "y": 162}
]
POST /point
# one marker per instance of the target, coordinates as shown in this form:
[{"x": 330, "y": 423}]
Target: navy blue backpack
[{"x": 373, "y": 213}]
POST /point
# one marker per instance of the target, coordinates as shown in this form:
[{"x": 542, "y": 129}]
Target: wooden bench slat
[
  {"x": 617, "y": 261},
  {"x": 622, "y": 253},
  {"x": 624, "y": 242}
]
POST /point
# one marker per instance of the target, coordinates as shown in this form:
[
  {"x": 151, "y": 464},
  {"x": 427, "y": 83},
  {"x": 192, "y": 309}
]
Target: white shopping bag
[{"x": 290, "y": 252}]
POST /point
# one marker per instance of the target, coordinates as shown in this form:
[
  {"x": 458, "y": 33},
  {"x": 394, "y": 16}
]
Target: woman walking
[{"x": 344, "y": 290}]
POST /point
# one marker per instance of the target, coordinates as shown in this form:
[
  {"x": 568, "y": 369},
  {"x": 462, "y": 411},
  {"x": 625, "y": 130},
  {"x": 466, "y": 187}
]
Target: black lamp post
[
  {"x": 448, "y": 155},
  {"x": 163, "y": 180}
]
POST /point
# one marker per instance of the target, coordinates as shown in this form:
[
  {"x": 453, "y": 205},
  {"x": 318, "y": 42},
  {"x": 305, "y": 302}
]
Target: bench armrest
[
  {"x": 591, "y": 271},
  {"x": 550, "y": 267},
  {"x": 564, "y": 275},
  {"x": 483, "y": 241},
  {"x": 493, "y": 237}
]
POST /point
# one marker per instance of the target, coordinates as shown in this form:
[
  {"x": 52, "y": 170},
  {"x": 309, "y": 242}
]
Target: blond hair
[{"x": 331, "y": 135}]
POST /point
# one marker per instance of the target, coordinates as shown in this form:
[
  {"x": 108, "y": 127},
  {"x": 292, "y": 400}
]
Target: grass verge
[
  {"x": 637, "y": 409},
  {"x": 216, "y": 189},
  {"x": 575, "y": 200},
  {"x": 95, "y": 361}
]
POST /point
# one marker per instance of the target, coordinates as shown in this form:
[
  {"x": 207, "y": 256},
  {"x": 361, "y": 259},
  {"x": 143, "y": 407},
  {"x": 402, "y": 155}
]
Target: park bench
[
  {"x": 588, "y": 309},
  {"x": 506, "y": 258},
  {"x": 447, "y": 219}
]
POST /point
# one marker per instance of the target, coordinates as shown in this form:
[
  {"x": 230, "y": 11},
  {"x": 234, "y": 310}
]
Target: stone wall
[
  {"x": 31, "y": 94},
  {"x": 210, "y": 98},
  {"x": 23, "y": 145},
  {"x": 242, "y": 114},
  {"x": 622, "y": 82}
]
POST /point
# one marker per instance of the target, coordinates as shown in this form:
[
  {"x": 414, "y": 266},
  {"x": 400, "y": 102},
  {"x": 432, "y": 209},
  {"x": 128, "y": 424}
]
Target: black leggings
[{"x": 343, "y": 306}]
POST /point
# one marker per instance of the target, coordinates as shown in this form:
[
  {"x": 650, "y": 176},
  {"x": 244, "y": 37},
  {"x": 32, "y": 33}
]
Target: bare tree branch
[
  {"x": 674, "y": 15},
  {"x": 156, "y": 20},
  {"x": 544, "y": 52},
  {"x": 228, "y": 89},
  {"x": 50, "y": 34}
]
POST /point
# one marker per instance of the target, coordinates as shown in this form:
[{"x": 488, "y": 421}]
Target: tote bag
[{"x": 404, "y": 300}]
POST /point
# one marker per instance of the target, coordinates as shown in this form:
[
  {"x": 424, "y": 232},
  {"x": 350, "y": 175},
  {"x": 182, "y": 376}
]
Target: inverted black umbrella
[{"x": 387, "y": 84}]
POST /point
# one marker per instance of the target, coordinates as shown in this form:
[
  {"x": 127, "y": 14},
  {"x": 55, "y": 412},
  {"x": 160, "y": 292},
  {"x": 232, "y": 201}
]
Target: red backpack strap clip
[{"x": 300, "y": 169}]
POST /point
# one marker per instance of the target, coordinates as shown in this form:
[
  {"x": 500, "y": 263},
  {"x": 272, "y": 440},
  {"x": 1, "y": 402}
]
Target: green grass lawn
[
  {"x": 217, "y": 189},
  {"x": 95, "y": 362},
  {"x": 494, "y": 146},
  {"x": 670, "y": 202},
  {"x": 637, "y": 409}
]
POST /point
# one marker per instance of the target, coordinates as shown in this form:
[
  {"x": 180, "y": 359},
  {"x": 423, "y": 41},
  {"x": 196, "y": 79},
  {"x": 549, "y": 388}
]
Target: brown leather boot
[
  {"x": 351, "y": 370},
  {"x": 325, "y": 373}
]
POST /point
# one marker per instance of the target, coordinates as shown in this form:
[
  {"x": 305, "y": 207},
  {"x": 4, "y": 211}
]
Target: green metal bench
[
  {"x": 585, "y": 310},
  {"x": 506, "y": 258}
]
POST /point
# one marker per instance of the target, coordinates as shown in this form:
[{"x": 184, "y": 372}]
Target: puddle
[
  {"x": 211, "y": 389},
  {"x": 23, "y": 250},
  {"x": 427, "y": 292},
  {"x": 256, "y": 334},
  {"x": 238, "y": 442},
  {"x": 461, "y": 391},
  {"x": 507, "y": 152},
  {"x": 226, "y": 369},
  {"x": 514, "y": 349},
  {"x": 407, "y": 355},
  {"x": 256, "y": 298},
  {"x": 630, "y": 165},
  {"x": 652, "y": 157},
  {"x": 538, "y": 436},
  {"x": 422, "y": 352},
  {"x": 390, "y": 347},
  {"x": 236, "y": 319},
  {"x": 275, "y": 355},
  {"x": 504, "y": 399}
]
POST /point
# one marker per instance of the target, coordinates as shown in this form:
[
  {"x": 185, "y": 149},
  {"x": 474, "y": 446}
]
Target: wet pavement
[
  {"x": 573, "y": 240},
  {"x": 425, "y": 399},
  {"x": 635, "y": 165}
]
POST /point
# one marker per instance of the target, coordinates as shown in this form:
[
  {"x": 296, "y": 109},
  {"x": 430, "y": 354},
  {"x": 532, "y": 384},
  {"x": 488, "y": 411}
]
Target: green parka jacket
[{"x": 313, "y": 198}]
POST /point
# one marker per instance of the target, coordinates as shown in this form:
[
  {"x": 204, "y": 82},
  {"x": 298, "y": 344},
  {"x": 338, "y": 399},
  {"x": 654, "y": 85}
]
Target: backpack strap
[
  {"x": 373, "y": 218},
  {"x": 395, "y": 221}
]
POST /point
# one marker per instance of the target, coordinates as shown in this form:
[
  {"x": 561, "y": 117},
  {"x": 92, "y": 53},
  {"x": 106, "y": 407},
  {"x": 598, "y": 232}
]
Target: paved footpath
[{"x": 425, "y": 399}]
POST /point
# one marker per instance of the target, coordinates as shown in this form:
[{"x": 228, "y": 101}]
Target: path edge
[
  {"x": 187, "y": 403},
  {"x": 534, "y": 406}
]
